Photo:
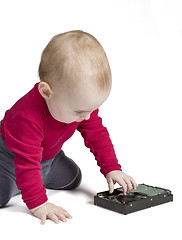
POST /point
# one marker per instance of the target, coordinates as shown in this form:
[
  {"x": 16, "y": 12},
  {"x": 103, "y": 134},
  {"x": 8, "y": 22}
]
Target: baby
[{"x": 75, "y": 80}]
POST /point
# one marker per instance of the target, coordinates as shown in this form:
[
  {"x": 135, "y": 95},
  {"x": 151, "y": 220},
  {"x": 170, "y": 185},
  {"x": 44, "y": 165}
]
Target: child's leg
[
  {"x": 8, "y": 186},
  {"x": 63, "y": 174}
]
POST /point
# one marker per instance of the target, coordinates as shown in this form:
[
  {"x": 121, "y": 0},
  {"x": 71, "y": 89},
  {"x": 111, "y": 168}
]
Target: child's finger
[
  {"x": 111, "y": 186},
  {"x": 129, "y": 184},
  {"x": 43, "y": 219},
  {"x": 68, "y": 215},
  {"x": 61, "y": 216},
  {"x": 63, "y": 211},
  {"x": 53, "y": 217},
  {"x": 135, "y": 185},
  {"x": 123, "y": 184}
]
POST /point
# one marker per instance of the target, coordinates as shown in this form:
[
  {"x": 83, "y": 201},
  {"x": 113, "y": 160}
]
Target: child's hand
[
  {"x": 124, "y": 180},
  {"x": 53, "y": 212}
]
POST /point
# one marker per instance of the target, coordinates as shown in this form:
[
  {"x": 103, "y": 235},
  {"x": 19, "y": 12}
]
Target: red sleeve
[
  {"x": 23, "y": 137},
  {"x": 96, "y": 137}
]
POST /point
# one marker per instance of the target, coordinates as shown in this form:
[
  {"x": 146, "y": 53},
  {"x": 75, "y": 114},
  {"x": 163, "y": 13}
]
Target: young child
[{"x": 75, "y": 80}]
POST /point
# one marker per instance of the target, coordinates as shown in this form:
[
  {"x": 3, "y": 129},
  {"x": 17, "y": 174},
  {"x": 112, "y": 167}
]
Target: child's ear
[{"x": 45, "y": 90}]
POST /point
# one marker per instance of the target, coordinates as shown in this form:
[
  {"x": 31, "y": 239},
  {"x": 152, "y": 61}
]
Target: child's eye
[
  {"x": 77, "y": 112},
  {"x": 81, "y": 112}
]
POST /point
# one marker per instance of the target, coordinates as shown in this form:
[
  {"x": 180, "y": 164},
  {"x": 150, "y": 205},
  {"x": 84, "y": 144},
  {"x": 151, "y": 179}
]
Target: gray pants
[{"x": 60, "y": 172}]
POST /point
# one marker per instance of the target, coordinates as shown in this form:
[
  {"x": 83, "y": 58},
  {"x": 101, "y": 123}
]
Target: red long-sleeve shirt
[{"x": 33, "y": 135}]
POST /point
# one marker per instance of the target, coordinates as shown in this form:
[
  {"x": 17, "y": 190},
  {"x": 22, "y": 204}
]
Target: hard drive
[{"x": 143, "y": 197}]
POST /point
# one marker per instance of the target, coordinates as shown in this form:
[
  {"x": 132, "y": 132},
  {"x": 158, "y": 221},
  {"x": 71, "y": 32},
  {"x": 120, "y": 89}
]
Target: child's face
[{"x": 75, "y": 104}]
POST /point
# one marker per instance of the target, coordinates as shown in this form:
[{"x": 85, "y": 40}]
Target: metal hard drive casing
[{"x": 143, "y": 197}]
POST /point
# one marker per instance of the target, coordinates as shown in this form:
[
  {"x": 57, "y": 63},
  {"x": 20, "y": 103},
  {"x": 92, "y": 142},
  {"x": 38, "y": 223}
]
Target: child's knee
[
  {"x": 7, "y": 189},
  {"x": 4, "y": 196},
  {"x": 3, "y": 201},
  {"x": 78, "y": 180}
]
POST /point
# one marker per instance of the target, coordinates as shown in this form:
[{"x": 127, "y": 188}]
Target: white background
[{"x": 143, "y": 41}]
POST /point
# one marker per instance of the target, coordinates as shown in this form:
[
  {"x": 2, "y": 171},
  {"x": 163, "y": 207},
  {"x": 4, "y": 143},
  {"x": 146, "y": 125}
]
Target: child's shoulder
[{"x": 31, "y": 106}]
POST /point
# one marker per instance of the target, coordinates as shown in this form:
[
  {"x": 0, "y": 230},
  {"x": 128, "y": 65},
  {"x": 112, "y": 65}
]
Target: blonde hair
[{"x": 69, "y": 55}]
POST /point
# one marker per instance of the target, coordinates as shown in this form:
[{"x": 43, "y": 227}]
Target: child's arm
[
  {"x": 51, "y": 211},
  {"x": 25, "y": 141},
  {"x": 97, "y": 138}
]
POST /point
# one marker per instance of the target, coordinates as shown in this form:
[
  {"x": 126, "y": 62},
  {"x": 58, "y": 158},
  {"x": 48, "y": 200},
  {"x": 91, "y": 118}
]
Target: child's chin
[
  {"x": 68, "y": 122},
  {"x": 79, "y": 121}
]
